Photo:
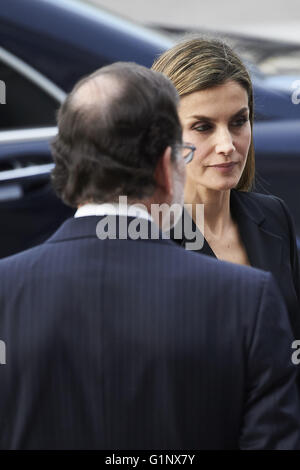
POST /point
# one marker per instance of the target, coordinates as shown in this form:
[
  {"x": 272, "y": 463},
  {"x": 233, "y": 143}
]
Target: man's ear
[{"x": 164, "y": 173}]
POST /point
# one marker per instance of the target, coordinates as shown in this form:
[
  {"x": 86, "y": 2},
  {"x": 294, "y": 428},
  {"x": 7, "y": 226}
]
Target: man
[{"x": 115, "y": 341}]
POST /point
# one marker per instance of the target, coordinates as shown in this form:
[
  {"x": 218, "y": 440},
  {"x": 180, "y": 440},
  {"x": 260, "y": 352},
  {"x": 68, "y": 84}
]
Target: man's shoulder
[
  {"x": 23, "y": 258},
  {"x": 163, "y": 259},
  {"x": 201, "y": 265}
]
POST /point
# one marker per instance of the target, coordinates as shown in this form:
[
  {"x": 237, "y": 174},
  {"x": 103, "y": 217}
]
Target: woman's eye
[
  {"x": 202, "y": 127},
  {"x": 239, "y": 122}
]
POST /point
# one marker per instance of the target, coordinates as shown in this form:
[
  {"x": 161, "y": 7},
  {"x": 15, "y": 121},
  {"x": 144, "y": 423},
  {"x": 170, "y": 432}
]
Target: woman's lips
[{"x": 224, "y": 166}]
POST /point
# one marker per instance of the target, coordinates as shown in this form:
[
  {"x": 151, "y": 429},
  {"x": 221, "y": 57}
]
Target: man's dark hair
[{"x": 110, "y": 139}]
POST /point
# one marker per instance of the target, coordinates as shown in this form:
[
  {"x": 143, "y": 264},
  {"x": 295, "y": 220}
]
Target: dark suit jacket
[
  {"x": 138, "y": 344},
  {"x": 268, "y": 234}
]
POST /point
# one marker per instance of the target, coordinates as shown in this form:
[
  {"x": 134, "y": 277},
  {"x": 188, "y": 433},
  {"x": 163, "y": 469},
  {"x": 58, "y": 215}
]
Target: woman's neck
[{"x": 217, "y": 216}]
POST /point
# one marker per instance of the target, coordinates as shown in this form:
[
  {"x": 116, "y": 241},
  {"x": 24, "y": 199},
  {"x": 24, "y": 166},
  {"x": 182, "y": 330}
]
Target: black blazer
[
  {"x": 268, "y": 234},
  {"x": 139, "y": 344}
]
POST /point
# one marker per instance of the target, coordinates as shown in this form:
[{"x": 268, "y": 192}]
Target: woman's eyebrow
[
  {"x": 241, "y": 111},
  {"x": 200, "y": 117}
]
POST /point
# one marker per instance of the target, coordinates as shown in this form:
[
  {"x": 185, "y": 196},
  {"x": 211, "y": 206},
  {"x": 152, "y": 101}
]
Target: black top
[{"x": 267, "y": 231}]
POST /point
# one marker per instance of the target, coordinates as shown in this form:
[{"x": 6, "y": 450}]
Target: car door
[{"x": 29, "y": 210}]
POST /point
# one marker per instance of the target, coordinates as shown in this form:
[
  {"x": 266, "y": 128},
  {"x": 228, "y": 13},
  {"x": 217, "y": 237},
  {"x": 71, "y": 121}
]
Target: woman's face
[{"x": 216, "y": 121}]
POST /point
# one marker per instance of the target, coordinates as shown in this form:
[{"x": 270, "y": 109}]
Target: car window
[{"x": 30, "y": 99}]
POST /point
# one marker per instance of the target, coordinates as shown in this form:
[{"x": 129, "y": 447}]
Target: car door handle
[{"x": 10, "y": 192}]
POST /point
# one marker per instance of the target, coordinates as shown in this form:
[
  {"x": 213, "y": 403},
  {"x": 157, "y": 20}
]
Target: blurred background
[{"x": 279, "y": 19}]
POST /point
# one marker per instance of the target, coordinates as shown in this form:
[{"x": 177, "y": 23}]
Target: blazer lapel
[{"x": 263, "y": 247}]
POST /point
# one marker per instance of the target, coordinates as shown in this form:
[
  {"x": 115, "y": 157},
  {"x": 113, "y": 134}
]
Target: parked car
[{"x": 45, "y": 47}]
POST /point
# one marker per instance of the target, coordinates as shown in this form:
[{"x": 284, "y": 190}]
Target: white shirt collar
[{"x": 133, "y": 210}]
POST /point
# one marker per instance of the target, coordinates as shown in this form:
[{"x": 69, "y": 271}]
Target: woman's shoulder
[
  {"x": 264, "y": 207},
  {"x": 264, "y": 200}
]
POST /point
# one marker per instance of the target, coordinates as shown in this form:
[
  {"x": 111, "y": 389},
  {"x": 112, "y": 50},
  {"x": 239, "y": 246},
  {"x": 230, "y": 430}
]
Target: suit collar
[
  {"x": 72, "y": 228},
  {"x": 86, "y": 227},
  {"x": 242, "y": 205},
  {"x": 263, "y": 246}
]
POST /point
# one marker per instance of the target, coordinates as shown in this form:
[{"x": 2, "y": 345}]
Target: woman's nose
[{"x": 224, "y": 143}]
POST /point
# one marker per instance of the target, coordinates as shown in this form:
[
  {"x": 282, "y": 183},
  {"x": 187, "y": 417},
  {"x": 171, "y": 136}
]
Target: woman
[{"x": 216, "y": 113}]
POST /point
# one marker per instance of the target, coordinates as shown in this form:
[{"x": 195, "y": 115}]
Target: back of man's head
[{"x": 113, "y": 128}]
